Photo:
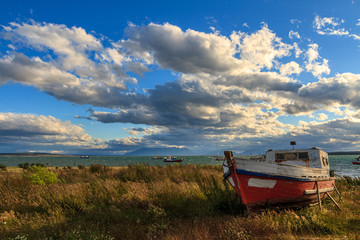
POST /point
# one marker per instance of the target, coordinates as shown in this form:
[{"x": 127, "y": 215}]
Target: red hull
[
  {"x": 355, "y": 162},
  {"x": 280, "y": 192}
]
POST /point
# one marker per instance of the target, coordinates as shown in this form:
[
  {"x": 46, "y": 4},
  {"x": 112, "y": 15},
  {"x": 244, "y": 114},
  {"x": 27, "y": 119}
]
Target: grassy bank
[{"x": 142, "y": 202}]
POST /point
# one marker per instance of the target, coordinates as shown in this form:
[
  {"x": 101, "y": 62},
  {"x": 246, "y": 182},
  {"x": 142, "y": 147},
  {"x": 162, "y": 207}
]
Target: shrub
[
  {"x": 81, "y": 167},
  {"x": 3, "y": 167},
  {"x": 98, "y": 168},
  {"x": 41, "y": 175},
  {"x": 37, "y": 164},
  {"x": 24, "y": 166}
]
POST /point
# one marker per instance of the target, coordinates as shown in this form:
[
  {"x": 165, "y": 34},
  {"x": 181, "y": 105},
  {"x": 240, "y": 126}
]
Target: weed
[
  {"x": 3, "y": 167},
  {"x": 40, "y": 175},
  {"x": 81, "y": 167},
  {"x": 145, "y": 202},
  {"x": 98, "y": 168}
]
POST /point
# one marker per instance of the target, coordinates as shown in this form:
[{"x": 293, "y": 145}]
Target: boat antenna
[{"x": 293, "y": 143}]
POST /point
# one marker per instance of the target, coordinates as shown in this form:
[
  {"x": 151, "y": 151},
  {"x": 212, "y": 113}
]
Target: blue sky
[{"x": 113, "y": 77}]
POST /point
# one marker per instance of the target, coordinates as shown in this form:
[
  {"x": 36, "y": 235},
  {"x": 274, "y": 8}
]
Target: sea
[{"x": 341, "y": 164}]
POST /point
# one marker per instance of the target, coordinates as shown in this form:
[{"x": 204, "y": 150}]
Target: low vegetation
[{"x": 143, "y": 202}]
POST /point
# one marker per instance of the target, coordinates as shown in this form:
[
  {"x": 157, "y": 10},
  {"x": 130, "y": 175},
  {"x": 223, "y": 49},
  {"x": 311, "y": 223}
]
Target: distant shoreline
[
  {"x": 35, "y": 155},
  {"x": 345, "y": 153}
]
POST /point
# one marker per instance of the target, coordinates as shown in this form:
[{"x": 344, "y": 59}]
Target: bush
[
  {"x": 81, "y": 167},
  {"x": 98, "y": 168},
  {"x": 3, "y": 167},
  {"x": 41, "y": 175},
  {"x": 24, "y": 166}
]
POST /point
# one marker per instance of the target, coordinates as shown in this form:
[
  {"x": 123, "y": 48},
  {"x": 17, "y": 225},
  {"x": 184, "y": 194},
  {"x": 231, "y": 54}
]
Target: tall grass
[{"x": 143, "y": 202}]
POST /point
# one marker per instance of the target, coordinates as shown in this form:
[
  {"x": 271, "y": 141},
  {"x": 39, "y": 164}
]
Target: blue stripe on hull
[{"x": 240, "y": 171}]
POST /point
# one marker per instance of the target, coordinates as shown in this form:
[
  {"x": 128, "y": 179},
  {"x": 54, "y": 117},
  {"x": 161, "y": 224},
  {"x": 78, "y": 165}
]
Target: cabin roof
[{"x": 294, "y": 150}]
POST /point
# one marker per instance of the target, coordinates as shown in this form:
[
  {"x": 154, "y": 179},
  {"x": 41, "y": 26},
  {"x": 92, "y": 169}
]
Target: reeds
[{"x": 144, "y": 202}]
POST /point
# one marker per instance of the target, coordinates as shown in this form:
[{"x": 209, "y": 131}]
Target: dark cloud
[{"x": 263, "y": 81}]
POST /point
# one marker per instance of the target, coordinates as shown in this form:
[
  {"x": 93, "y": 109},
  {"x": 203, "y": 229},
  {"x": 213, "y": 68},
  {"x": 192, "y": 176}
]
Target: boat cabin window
[
  {"x": 303, "y": 155},
  {"x": 296, "y": 156}
]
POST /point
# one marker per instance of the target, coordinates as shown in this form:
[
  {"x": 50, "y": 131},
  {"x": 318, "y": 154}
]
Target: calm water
[{"x": 341, "y": 163}]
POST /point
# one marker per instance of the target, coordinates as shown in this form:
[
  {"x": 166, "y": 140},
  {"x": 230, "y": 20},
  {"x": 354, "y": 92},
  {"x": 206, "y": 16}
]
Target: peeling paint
[{"x": 261, "y": 183}]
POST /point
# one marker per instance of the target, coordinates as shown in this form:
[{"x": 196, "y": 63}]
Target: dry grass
[{"x": 171, "y": 202}]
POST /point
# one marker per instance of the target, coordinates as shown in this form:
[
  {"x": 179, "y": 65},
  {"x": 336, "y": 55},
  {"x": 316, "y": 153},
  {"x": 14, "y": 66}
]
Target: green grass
[{"x": 170, "y": 202}]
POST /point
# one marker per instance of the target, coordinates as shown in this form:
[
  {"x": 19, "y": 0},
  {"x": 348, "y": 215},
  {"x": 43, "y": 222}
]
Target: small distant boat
[
  {"x": 84, "y": 156},
  {"x": 172, "y": 159},
  {"x": 356, "y": 161},
  {"x": 156, "y": 157},
  {"x": 218, "y": 158},
  {"x": 284, "y": 178}
]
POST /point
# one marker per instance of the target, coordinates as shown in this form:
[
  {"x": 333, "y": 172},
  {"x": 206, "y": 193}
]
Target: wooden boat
[
  {"x": 156, "y": 157},
  {"x": 283, "y": 178},
  {"x": 172, "y": 159},
  {"x": 356, "y": 161}
]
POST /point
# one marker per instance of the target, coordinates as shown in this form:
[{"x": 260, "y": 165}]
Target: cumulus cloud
[
  {"x": 327, "y": 94},
  {"x": 314, "y": 64},
  {"x": 263, "y": 47},
  {"x": 232, "y": 89},
  {"x": 290, "y": 68},
  {"x": 79, "y": 70},
  {"x": 29, "y": 131},
  {"x": 186, "y": 52}
]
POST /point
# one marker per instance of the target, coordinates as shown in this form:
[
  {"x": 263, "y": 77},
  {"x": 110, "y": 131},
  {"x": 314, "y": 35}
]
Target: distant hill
[{"x": 161, "y": 152}]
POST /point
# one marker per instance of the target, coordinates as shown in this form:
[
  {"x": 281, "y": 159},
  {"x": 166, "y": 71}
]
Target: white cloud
[
  {"x": 30, "y": 131},
  {"x": 295, "y": 22},
  {"x": 331, "y": 26},
  {"x": 313, "y": 65},
  {"x": 293, "y": 35},
  {"x": 322, "y": 116},
  {"x": 320, "y": 23},
  {"x": 263, "y": 47},
  {"x": 318, "y": 68},
  {"x": 327, "y": 94},
  {"x": 290, "y": 68},
  {"x": 298, "y": 51},
  {"x": 227, "y": 88},
  {"x": 186, "y": 52}
]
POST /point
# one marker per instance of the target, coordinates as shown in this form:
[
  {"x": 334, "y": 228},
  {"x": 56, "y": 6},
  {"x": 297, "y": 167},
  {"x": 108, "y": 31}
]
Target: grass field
[{"x": 143, "y": 202}]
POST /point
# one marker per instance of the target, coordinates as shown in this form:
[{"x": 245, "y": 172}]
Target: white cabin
[{"x": 314, "y": 157}]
